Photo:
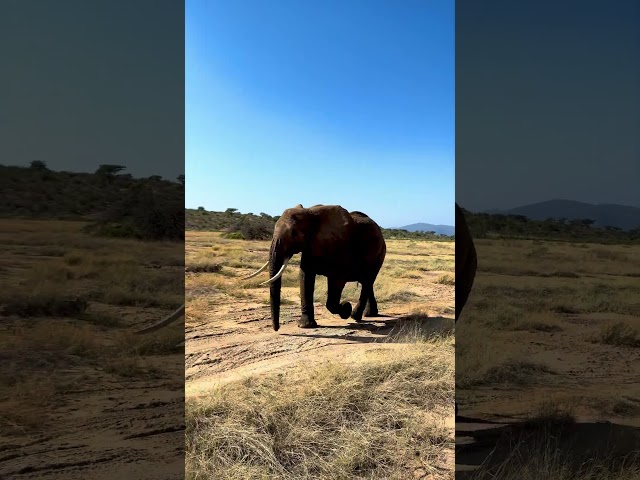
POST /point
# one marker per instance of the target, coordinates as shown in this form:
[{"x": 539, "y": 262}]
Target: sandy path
[
  {"x": 134, "y": 435},
  {"x": 239, "y": 341}
]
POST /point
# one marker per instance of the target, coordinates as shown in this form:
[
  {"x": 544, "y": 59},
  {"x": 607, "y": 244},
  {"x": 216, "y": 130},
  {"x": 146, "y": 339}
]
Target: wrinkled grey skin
[{"x": 340, "y": 245}]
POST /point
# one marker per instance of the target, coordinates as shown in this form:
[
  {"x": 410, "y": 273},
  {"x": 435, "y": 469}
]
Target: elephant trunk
[{"x": 276, "y": 261}]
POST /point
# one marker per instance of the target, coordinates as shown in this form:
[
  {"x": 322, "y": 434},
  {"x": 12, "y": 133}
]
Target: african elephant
[
  {"x": 340, "y": 245},
  {"x": 466, "y": 262},
  {"x": 466, "y": 265}
]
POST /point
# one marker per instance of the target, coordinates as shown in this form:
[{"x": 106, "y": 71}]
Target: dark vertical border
[
  {"x": 547, "y": 119},
  {"x": 92, "y": 239}
]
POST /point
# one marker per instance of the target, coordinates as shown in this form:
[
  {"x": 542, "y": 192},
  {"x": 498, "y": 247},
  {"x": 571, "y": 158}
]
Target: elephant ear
[{"x": 333, "y": 226}]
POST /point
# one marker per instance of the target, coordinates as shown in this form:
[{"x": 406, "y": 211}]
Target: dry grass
[
  {"x": 376, "y": 413},
  {"x": 544, "y": 448},
  {"x": 619, "y": 334},
  {"x": 529, "y": 294},
  {"x": 373, "y": 418},
  {"x": 541, "y": 459},
  {"x": 408, "y": 266},
  {"x": 556, "y": 321},
  {"x": 66, "y": 299}
]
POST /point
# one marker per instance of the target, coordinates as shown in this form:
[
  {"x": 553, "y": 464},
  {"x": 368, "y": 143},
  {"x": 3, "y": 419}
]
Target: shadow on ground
[
  {"x": 503, "y": 449},
  {"x": 384, "y": 329}
]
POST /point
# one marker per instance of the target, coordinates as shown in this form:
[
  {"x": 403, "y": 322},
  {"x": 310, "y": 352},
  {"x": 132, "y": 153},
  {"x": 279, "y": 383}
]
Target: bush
[
  {"x": 233, "y": 236},
  {"x": 112, "y": 230},
  {"x": 255, "y": 228},
  {"x": 153, "y": 210}
]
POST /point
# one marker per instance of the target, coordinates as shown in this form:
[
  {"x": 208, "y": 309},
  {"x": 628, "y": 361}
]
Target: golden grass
[
  {"x": 408, "y": 267},
  {"x": 376, "y": 417},
  {"x": 377, "y": 414}
]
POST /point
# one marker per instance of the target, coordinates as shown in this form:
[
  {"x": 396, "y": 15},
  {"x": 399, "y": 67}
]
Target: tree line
[
  {"x": 484, "y": 225},
  {"x": 251, "y": 226},
  {"x": 112, "y": 203}
]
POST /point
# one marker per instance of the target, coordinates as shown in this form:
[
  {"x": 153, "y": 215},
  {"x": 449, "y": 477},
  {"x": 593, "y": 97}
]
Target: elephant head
[{"x": 317, "y": 229}]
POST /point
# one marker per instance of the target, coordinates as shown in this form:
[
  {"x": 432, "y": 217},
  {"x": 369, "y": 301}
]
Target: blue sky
[
  {"x": 548, "y": 103},
  {"x": 348, "y": 103}
]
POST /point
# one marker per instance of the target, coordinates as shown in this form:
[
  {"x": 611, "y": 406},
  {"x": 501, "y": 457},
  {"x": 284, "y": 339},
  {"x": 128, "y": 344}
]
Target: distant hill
[
  {"x": 40, "y": 192},
  {"x": 428, "y": 227},
  {"x": 117, "y": 204},
  {"x": 604, "y": 215}
]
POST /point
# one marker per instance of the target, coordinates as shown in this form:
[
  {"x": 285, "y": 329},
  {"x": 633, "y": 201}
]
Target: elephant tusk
[
  {"x": 162, "y": 323},
  {"x": 279, "y": 274},
  {"x": 256, "y": 273}
]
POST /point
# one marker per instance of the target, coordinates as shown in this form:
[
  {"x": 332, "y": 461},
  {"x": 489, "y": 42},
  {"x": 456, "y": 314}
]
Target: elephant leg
[
  {"x": 307, "y": 286},
  {"x": 372, "y": 304},
  {"x": 334, "y": 292},
  {"x": 365, "y": 294}
]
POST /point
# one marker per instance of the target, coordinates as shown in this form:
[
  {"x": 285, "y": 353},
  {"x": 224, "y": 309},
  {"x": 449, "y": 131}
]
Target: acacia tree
[
  {"x": 39, "y": 165},
  {"x": 107, "y": 169}
]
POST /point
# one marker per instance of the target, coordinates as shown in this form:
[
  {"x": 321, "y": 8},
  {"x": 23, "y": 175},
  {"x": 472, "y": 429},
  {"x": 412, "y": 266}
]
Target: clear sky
[
  {"x": 547, "y": 102},
  {"x": 85, "y": 83},
  {"x": 348, "y": 103}
]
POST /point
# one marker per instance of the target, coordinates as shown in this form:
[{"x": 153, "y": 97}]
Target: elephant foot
[
  {"x": 345, "y": 310},
  {"x": 357, "y": 316},
  {"x": 369, "y": 312},
  {"x": 306, "y": 322}
]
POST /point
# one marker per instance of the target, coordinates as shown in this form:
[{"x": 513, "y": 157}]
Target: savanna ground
[
  {"x": 550, "y": 342},
  {"x": 81, "y": 397},
  {"x": 343, "y": 401}
]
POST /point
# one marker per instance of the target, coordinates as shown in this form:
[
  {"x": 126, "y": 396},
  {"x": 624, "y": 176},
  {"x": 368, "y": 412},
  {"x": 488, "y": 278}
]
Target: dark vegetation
[
  {"x": 485, "y": 225},
  {"x": 625, "y": 217},
  {"x": 115, "y": 204},
  {"x": 249, "y": 226}
]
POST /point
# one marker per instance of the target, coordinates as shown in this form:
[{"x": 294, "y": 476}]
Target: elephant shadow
[
  {"x": 386, "y": 329},
  {"x": 507, "y": 447}
]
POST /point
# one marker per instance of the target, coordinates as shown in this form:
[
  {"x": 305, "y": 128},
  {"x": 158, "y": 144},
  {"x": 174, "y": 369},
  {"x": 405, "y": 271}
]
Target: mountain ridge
[
  {"x": 448, "y": 230},
  {"x": 603, "y": 214}
]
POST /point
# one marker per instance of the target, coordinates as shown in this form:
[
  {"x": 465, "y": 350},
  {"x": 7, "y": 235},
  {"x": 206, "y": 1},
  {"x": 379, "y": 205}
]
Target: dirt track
[
  {"x": 238, "y": 341},
  {"x": 229, "y": 335},
  {"x": 103, "y": 427}
]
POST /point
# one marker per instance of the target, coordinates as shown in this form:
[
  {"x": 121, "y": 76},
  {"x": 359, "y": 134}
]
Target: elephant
[
  {"x": 466, "y": 265},
  {"x": 340, "y": 245},
  {"x": 466, "y": 262}
]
